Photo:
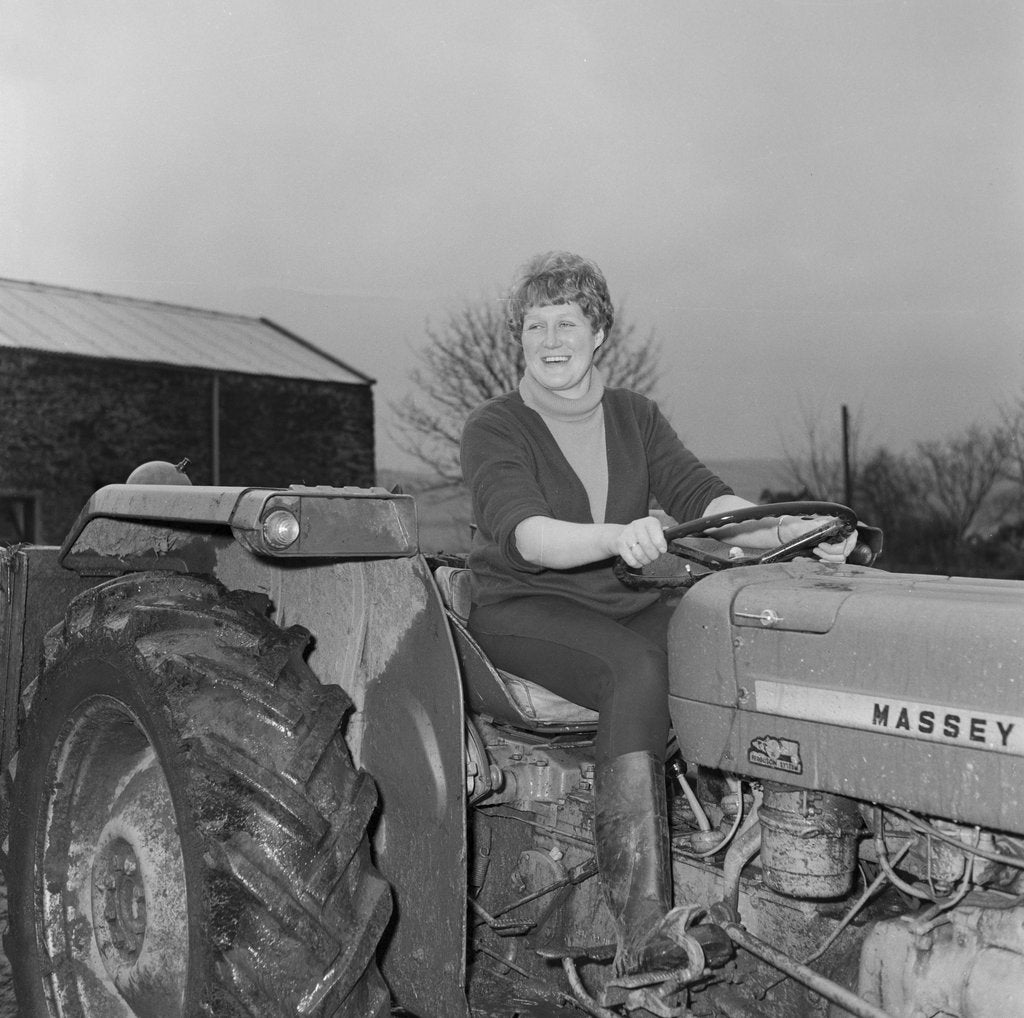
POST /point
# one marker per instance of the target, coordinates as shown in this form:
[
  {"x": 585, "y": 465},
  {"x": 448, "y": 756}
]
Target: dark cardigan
[{"x": 514, "y": 469}]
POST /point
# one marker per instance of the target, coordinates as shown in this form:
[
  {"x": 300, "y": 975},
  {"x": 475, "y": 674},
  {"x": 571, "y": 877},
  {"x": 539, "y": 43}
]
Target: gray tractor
[{"x": 257, "y": 766}]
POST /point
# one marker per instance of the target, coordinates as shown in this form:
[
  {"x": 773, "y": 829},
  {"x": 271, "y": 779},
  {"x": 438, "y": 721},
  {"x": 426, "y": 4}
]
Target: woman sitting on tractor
[{"x": 562, "y": 472}]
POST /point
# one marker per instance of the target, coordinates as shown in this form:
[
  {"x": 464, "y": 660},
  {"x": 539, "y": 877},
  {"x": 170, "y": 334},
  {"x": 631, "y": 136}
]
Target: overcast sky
[{"x": 810, "y": 203}]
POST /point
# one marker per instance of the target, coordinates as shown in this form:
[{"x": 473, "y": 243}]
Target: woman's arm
[{"x": 556, "y": 544}]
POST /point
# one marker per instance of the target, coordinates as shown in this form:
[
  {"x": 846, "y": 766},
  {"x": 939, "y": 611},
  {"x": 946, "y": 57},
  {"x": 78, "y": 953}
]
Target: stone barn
[{"x": 91, "y": 385}]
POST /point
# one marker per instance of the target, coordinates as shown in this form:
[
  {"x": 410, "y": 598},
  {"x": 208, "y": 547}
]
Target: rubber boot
[{"x": 632, "y": 844}]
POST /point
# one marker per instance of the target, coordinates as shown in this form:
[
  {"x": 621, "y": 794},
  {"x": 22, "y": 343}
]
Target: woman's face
[{"x": 559, "y": 344}]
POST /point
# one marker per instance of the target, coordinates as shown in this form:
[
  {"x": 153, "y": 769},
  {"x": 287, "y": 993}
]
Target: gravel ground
[{"x": 8, "y": 1009}]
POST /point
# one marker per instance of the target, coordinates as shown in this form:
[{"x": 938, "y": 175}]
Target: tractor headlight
[
  {"x": 280, "y": 529},
  {"x": 322, "y": 522}
]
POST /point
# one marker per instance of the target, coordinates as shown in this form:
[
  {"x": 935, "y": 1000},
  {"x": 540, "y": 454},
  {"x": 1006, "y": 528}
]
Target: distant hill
[{"x": 443, "y": 512}]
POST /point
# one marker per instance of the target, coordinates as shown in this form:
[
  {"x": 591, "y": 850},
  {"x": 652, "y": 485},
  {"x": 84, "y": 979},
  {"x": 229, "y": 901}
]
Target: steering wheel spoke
[
  {"x": 839, "y": 521},
  {"x": 788, "y": 550}
]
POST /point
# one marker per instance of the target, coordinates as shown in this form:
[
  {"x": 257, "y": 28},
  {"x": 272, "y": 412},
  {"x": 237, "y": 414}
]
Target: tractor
[{"x": 255, "y": 765}]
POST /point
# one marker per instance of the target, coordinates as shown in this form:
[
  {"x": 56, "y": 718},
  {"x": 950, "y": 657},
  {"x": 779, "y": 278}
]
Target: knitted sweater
[{"x": 514, "y": 469}]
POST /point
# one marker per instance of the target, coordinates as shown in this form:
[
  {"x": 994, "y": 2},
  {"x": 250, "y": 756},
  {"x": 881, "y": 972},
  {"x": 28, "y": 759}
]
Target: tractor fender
[{"x": 380, "y": 632}]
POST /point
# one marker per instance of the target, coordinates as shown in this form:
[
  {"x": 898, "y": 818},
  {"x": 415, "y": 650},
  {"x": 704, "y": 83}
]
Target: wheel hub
[
  {"x": 119, "y": 896},
  {"x": 114, "y": 913}
]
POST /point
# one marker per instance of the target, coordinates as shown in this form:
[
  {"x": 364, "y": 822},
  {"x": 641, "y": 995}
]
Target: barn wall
[
  {"x": 69, "y": 425},
  {"x": 286, "y": 431}
]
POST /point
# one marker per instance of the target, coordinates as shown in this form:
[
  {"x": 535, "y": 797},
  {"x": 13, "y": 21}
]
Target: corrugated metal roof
[{"x": 56, "y": 319}]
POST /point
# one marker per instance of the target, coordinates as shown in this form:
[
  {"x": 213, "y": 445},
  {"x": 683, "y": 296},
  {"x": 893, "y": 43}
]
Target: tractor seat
[{"x": 494, "y": 693}]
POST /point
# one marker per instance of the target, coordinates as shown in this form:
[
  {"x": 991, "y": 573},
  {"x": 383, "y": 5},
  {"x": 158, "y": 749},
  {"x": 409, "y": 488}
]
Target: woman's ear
[{"x": 599, "y": 336}]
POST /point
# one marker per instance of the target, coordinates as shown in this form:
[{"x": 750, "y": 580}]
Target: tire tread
[{"x": 272, "y": 792}]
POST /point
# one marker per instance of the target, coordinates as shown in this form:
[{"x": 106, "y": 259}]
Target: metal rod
[
  {"x": 830, "y": 990},
  {"x": 847, "y": 469},
  {"x": 215, "y": 429},
  {"x": 584, "y": 872},
  {"x": 484, "y": 949},
  {"x": 857, "y": 906}
]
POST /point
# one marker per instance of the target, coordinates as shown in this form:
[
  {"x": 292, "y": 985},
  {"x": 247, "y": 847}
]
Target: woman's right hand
[
  {"x": 557, "y": 544},
  {"x": 640, "y": 542}
]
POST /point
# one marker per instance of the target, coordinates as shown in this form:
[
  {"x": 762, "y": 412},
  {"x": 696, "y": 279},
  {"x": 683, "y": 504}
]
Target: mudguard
[{"x": 380, "y": 633}]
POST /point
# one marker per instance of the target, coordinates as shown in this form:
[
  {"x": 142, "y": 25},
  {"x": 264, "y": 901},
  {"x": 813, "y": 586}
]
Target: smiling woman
[{"x": 561, "y": 472}]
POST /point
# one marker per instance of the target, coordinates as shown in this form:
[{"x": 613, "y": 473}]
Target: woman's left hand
[{"x": 792, "y": 527}]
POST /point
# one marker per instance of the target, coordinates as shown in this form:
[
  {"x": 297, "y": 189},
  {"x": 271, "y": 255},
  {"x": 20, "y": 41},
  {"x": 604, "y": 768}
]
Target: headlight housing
[{"x": 280, "y": 529}]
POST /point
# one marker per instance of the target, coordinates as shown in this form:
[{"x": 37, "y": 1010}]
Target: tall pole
[
  {"x": 847, "y": 473},
  {"x": 215, "y": 429}
]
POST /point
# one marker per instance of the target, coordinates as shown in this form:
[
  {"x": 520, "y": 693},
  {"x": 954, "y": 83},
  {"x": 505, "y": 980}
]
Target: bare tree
[
  {"x": 892, "y": 493},
  {"x": 961, "y": 473},
  {"x": 926, "y": 500},
  {"x": 1012, "y": 417},
  {"x": 817, "y": 466},
  {"x": 470, "y": 358}
]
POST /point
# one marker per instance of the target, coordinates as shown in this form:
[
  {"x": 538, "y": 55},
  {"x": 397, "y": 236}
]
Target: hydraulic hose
[
  {"x": 583, "y": 998},
  {"x": 830, "y": 990}
]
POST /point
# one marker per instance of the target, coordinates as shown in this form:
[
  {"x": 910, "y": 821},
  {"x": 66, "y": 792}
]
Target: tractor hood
[{"x": 887, "y": 687}]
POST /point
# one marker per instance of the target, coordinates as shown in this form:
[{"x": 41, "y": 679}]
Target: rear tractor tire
[{"x": 187, "y": 832}]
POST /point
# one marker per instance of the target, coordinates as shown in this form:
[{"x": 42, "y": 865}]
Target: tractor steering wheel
[{"x": 842, "y": 523}]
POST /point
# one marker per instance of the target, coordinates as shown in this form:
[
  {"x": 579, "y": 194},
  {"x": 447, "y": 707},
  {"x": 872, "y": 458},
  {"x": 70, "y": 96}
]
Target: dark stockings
[{"x": 619, "y": 668}]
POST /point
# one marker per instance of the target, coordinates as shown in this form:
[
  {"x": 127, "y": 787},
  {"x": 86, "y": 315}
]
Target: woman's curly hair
[{"x": 560, "y": 277}]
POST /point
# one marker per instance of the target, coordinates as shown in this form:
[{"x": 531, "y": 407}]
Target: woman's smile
[{"x": 559, "y": 345}]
